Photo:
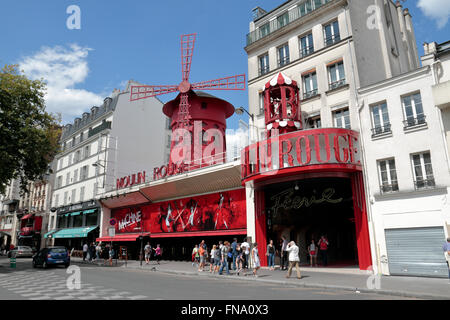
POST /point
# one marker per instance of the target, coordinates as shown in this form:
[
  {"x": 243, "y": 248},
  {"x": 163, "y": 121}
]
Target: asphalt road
[{"x": 26, "y": 283}]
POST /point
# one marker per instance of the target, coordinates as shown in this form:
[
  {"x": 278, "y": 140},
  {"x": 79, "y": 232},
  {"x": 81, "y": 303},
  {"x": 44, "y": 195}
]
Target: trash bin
[{"x": 12, "y": 262}]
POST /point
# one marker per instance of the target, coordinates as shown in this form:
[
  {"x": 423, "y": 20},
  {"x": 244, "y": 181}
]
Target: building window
[
  {"x": 264, "y": 30},
  {"x": 75, "y": 175},
  {"x": 99, "y": 145},
  {"x": 72, "y": 198},
  {"x": 261, "y": 103},
  {"x": 91, "y": 219},
  {"x": 283, "y": 20},
  {"x": 336, "y": 75},
  {"x": 309, "y": 85},
  {"x": 283, "y": 55},
  {"x": 264, "y": 64},
  {"x": 56, "y": 203},
  {"x": 314, "y": 122},
  {"x": 331, "y": 33},
  {"x": 380, "y": 119},
  {"x": 68, "y": 178},
  {"x": 59, "y": 182},
  {"x": 77, "y": 220},
  {"x": 70, "y": 159},
  {"x": 77, "y": 156},
  {"x": 413, "y": 110},
  {"x": 306, "y": 45},
  {"x": 66, "y": 194},
  {"x": 81, "y": 136},
  {"x": 84, "y": 171},
  {"x": 423, "y": 171},
  {"x": 87, "y": 151},
  {"x": 82, "y": 194},
  {"x": 388, "y": 176},
  {"x": 342, "y": 118}
]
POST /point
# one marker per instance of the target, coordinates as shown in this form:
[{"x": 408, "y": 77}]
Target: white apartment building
[
  {"x": 405, "y": 128},
  {"x": 114, "y": 140}
]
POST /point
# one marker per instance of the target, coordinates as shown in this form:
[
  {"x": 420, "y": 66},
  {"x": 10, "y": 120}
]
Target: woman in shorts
[
  {"x": 312, "y": 249},
  {"x": 211, "y": 258}
]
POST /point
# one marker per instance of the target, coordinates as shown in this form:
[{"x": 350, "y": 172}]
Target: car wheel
[
  {"x": 34, "y": 264},
  {"x": 44, "y": 265}
]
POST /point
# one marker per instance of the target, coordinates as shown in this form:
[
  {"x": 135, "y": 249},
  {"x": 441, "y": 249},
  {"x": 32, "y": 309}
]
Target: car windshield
[{"x": 57, "y": 250}]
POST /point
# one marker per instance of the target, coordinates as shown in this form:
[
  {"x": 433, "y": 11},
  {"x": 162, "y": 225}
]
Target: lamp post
[{"x": 241, "y": 110}]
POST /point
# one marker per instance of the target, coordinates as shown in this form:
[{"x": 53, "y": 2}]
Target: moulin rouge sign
[
  {"x": 130, "y": 180},
  {"x": 322, "y": 148}
]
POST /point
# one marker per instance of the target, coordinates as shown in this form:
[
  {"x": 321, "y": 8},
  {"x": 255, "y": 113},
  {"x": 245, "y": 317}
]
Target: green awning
[
  {"x": 75, "y": 213},
  {"x": 89, "y": 211},
  {"x": 74, "y": 232},
  {"x": 49, "y": 233}
]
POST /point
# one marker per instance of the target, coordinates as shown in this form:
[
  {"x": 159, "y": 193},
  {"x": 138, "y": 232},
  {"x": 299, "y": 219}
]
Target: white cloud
[
  {"x": 62, "y": 68},
  {"x": 436, "y": 9}
]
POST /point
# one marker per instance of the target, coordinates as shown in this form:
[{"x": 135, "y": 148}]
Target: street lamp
[
  {"x": 98, "y": 164},
  {"x": 241, "y": 110}
]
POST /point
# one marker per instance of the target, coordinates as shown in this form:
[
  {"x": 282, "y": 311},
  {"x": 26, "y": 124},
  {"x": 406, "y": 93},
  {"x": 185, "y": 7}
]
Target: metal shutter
[{"x": 416, "y": 252}]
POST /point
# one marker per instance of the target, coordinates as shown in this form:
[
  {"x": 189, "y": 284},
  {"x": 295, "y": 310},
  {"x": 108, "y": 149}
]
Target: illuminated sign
[{"x": 130, "y": 180}]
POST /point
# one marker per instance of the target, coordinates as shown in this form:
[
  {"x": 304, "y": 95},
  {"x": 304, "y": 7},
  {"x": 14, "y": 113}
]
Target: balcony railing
[
  {"x": 264, "y": 70},
  {"x": 387, "y": 188},
  {"x": 332, "y": 40},
  {"x": 309, "y": 94},
  {"x": 337, "y": 84},
  {"x": 424, "y": 184},
  {"x": 303, "y": 9},
  {"x": 411, "y": 121},
  {"x": 283, "y": 61},
  {"x": 105, "y": 125},
  {"x": 306, "y": 51},
  {"x": 378, "y": 130}
]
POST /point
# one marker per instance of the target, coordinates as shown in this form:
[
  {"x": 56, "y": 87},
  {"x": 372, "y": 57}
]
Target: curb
[{"x": 299, "y": 284}]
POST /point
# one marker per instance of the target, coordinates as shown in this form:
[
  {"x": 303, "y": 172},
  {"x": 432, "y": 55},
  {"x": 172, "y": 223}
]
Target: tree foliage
[{"x": 28, "y": 134}]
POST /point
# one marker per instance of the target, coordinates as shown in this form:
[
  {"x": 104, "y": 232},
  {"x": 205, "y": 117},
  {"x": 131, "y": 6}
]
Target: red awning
[
  {"x": 123, "y": 237},
  {"x": 199, "y": 233},
  {"x": 27, "y": 216}
]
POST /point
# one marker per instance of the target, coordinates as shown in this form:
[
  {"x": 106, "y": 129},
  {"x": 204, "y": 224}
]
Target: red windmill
[
  {"x": 190, "y": 108},
  {"x": 187, "y": 48}
]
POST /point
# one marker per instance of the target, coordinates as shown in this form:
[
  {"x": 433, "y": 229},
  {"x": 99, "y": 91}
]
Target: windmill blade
[
  {"x": 183, "y": 110},
  {"x": 228, "y": 83},
  {"x": 187, "y": 50},
  {"x": 143, "y": 92}
]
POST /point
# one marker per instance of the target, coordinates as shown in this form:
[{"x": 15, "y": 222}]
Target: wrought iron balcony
[
  {"x": 378, "y": 130},
  {"x": 304, "y": 8},
  {"x": 309, "y": 94},
  {"x": 332, "y": 40},
  {"x": 306, "y": 51},
  {"x": 337, "y": 84},
  {"x": 424, "y": 184},
  {"x": 264, "y": 70},
  {"x": 283, "y": 61},
  {"x": 412, "y": 122},
  {"x": 387, "y": 188}
]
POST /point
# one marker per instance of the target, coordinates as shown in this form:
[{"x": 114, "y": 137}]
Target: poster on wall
[{"x": 218, "y": 211}]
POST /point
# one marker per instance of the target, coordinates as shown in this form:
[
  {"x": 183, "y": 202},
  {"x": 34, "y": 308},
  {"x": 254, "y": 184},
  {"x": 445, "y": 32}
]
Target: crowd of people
[{"x": 96, "y": 252}]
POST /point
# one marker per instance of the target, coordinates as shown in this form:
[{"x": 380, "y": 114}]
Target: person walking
[
  {"x": 294, "y": 259},
  {"x": 283, "y": 253},
  {"x": 148, "y": 252},
  {"x": 312, "y": 249},
  {"x": 195, "y": 256},
  {"x": 239, "y": 259},
  {"x": 224, "y": 257},
  {"x": 217, "y": 259},
  {"x": 270, "y": 253},
  {"x": 234, "y": 252},
  {"x": 92, "y": 252},
  {"x": 245, "y": 252},
  {"x": 85, "y": 251},
  {"x": 323, "y": 249},
  {"x": 158, "y": 253},
  {"x": 111, "y": 255},
  {"x": 105, "y": 254},
  {"x": 255, "y": 259},
  {"x": 446, "y": 248},
  {"x": 201, "y": 253},
  {"x": 98, "y": 250},
  {"x": 211, "y": 259}
]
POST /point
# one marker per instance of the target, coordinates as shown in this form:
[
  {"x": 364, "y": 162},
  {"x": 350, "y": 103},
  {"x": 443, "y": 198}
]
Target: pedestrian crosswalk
[{"x": 32, "y": 285}]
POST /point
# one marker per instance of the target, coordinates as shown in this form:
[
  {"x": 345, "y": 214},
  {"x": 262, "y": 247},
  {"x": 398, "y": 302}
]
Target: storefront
[{"x": 30, "y": 231}]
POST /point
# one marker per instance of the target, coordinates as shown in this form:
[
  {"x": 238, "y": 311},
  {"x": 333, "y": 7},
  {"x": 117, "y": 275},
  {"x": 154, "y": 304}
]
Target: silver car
[{"x": 21, "y": 251}]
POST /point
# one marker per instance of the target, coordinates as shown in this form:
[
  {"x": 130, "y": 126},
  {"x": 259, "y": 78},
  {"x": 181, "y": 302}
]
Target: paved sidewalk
[{"x": 327, "y": 278}]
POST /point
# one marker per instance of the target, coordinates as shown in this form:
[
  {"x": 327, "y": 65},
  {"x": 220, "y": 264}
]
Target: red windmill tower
[{"x": 190, "y": 108}]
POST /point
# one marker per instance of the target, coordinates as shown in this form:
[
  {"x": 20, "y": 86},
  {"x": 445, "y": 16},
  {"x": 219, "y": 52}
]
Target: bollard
[{"x": 12, "y": 262}]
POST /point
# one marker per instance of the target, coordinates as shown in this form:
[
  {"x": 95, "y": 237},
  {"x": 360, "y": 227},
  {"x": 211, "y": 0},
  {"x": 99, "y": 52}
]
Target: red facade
[{"x": 213, "y": 212}]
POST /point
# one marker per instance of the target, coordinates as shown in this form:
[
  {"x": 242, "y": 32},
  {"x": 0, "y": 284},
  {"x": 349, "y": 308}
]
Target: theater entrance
[{"x": 304, "y": 210}]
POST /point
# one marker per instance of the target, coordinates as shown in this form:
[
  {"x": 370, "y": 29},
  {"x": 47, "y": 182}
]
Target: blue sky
[{"x": 140, "y": 40}]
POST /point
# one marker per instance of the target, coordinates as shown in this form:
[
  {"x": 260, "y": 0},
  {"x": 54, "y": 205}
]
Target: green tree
[{"x": 28, "y": 134}]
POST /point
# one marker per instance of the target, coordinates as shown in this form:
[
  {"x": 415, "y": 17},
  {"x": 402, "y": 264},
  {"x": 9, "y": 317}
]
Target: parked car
[
  {"x": 20, "y": 251},
  {"x": 51, "y": 256}
]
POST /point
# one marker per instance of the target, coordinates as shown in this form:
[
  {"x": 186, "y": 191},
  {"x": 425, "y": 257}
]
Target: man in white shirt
[
  {"x": 292, "y": 249},
  {"x": 85, "y": 250},
  {"x": 246, "y": 252}
]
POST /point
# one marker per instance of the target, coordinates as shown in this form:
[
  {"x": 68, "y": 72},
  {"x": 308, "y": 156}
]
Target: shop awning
[
  {"x": 49, "y": 233},
  {"x": 75, "y": 213},
  {"x": 74, "y": 232},
  {"x": 27, "y": 216},
  {"x": 124, "y": 237},
  {"x": 89, "y": 211},
  {"x": 199, "y": 233}
]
